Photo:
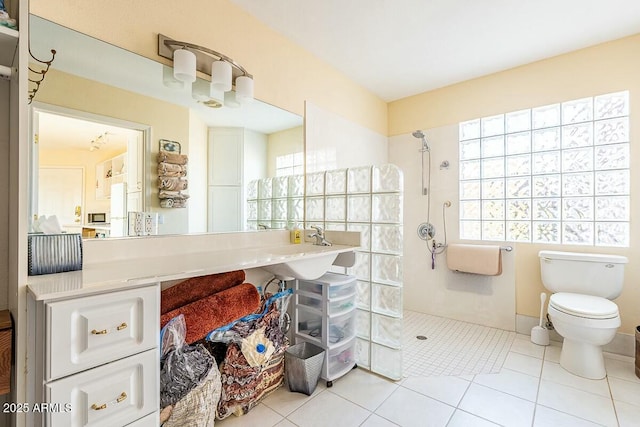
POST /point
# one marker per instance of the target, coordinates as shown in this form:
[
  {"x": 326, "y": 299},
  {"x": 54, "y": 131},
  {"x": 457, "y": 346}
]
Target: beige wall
[
  {"x": 281, "y": 143},
  {"x": 604, "y": 68},
  {"x": 285, "y": 74}
]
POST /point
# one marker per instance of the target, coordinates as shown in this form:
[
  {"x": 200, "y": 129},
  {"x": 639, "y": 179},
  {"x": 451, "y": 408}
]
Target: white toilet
[{"x": 580, "y": 308}]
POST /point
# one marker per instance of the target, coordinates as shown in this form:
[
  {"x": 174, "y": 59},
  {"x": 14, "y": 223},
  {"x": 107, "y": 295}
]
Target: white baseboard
[{"x": 623, "y": 344}]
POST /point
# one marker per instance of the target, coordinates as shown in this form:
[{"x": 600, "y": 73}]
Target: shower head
[{"x": 420, "y": 135}]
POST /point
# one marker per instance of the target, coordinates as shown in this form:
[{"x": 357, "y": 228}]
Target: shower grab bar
[{"x": 506, "y": 248}]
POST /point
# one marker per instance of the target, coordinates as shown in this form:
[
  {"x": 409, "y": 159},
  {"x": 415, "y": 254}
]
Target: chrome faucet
[{"x": 319, "y": 236}]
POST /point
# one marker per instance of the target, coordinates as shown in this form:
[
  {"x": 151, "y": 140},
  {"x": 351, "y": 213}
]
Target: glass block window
[
  {"x": 290, "y": 164},
  {"x": 552, "y": 174}
]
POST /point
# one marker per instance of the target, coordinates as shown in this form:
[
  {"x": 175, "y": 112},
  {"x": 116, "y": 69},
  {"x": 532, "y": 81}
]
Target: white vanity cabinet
[
  {"x": 325, "y": 315},
  {"x": 96, "y": 358}
]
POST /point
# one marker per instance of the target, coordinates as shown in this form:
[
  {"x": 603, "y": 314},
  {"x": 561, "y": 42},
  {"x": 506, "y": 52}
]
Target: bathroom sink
[{"x": 305, "y": 262}]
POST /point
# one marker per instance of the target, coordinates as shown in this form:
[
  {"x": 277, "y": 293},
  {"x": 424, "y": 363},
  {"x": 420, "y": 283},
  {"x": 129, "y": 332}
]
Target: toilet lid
[{"x": 584, "y": 305}]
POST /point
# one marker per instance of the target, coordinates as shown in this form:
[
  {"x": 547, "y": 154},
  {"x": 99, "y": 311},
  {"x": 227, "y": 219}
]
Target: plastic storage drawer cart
[{"x": 325, "y": 316}]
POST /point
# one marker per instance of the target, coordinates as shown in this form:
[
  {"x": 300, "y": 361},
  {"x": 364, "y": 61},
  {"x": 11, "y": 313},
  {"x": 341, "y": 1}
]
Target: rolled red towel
[
  {"x": 209, "y": 313},
  {"x": 196, "y": 288}
]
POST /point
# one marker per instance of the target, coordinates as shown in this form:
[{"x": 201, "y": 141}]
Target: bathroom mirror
[{"x": 103, "y": 85}]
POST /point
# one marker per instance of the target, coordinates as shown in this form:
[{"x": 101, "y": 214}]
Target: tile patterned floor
[
  {"x": 530, "y": 390},
  {"x": 452, "y": 347}
]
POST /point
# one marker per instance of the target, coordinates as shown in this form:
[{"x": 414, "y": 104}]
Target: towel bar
[{"x": 506, "y": 248}]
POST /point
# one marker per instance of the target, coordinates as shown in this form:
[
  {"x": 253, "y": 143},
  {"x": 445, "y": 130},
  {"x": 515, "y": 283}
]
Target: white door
[{"x": 61, "y": 189}]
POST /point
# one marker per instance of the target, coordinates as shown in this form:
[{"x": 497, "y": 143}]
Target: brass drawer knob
[
  {"x": 119, "y": 399},
  {"x": 120, "y": 327}
]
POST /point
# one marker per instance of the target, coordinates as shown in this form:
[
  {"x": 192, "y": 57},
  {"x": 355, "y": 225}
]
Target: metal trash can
[
  {"x": 303, "y": 365},
  {"x": 638, "y": 351}
]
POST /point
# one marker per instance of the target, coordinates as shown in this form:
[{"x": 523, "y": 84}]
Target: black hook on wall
[{"x": 41, "y": 73}]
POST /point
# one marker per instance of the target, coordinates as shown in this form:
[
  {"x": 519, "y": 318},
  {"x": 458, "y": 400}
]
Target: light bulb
[
  {"x": 221, "y": 75},
  {"x": 184, "y": 65},
  {"x": 244, "y": 89}
]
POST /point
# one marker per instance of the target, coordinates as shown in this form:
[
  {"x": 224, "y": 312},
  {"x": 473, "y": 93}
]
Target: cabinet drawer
[
  {"x": 87, "y": 332},
  {"x": 339, "y": 285},
  {"x": 340, "y": 360},
  {"x": 335, "y": 331},
  {"x": 115, "y": 394}
]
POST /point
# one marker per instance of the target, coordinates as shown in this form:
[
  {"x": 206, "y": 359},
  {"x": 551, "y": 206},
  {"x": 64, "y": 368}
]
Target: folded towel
[
  {"x": 173, "y": 203},
  {"x": 172, "y": 184},
  {"x": 476, "y": 259},
  {"x": 196, "y": 288},
  {"x": 170, "y": 169},
  {"x": 209, "y": 313},
  {"x": 176, "y": 159},
  {"x": 167, "y": 194}
]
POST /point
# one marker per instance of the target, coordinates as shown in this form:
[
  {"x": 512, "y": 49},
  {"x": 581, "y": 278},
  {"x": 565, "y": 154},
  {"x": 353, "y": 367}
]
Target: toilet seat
[{"x": 587, "y": 306}]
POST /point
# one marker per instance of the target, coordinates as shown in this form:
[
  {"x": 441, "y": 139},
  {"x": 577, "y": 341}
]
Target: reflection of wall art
[
  {"x": 172, "y": 170},
  {"x": 169, "y": 146}
]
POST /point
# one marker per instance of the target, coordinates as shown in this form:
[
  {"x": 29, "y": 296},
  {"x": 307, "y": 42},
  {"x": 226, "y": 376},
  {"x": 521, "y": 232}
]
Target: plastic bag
[
  {"x": 173, "y": 335},
  {"x": 183, "y": 367},
  {"x": 237, "y": 331}
]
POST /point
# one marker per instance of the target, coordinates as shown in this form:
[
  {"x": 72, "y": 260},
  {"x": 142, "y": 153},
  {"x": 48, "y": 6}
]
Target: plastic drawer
[
  {"x": 340, "y": 360},
  {"x": 341, "y": 291},
  {"x": 341, "y": 328},
  {"x": 340, "y": 285},
  {"x": 309, "y": 322},
  {"x": 335, "y": 307},
  {"x": 310, "y": 301},
  {"x": 342, "y": 305}
]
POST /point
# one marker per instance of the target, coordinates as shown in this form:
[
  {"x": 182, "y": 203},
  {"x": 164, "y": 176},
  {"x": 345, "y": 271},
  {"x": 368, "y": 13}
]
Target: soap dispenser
[{"x": 296, "y": 234}]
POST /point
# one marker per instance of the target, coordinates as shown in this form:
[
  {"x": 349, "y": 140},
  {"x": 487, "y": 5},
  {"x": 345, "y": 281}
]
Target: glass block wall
[
  {"x": 275, "y": 202},
  {"x": 365, "y": 199},
  {"x": 369, "y": 200}
]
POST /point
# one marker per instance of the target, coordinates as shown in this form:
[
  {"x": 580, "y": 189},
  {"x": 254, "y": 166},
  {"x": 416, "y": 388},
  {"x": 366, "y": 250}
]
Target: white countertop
[{"x": 122, "y": 274}]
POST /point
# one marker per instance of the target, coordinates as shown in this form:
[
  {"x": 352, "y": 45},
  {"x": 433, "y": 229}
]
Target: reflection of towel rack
[{"x": 506, "y": 248}]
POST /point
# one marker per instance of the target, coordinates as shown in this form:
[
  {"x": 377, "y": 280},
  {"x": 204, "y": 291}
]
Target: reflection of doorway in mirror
[
  {"x": 110, "y": 151},
  {"x": 60, "y": 192}
]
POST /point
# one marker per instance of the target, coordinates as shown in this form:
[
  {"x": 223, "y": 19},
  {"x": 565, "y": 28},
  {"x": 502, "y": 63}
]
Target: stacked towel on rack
[
  {"x": 172, "y": 170},
  {"x": 172, "y": 183},
  {"x": 476, "y": 259},
  {"x": 173, "y": 158}
]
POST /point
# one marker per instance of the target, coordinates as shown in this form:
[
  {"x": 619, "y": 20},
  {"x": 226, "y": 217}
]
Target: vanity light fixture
[
  {"x": 244, "y": 89},
  {"x": 221, "y": 75},
  {"x": 225, "y": 72},
  {"x": 168, "y": 80},
  {"x": 230, "y": 100},
  {"x": 184, "y": 65}
]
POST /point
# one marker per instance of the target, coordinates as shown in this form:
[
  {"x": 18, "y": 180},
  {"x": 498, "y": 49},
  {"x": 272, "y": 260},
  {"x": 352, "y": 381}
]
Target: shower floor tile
[{"x": 451, "y": 347}]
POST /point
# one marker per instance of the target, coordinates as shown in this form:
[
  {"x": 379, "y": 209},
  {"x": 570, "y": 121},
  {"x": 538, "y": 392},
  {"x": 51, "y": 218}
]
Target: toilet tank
[{"x": 583, "y": 273}]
